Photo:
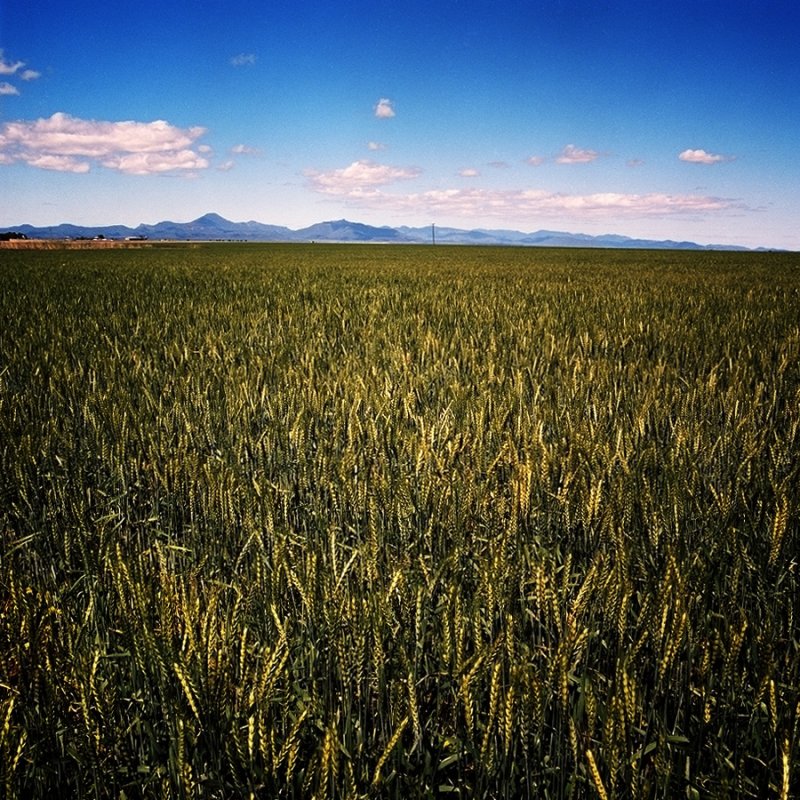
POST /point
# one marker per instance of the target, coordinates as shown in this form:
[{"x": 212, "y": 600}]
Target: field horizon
[{"x": 212, "y": 227}]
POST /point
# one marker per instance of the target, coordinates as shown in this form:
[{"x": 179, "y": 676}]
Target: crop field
[{"x": 349, "y": 521}]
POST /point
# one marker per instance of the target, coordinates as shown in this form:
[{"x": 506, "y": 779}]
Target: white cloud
[
  {"x": 575, "y": 155},
  {"x": 244, "y": 60},
  {"x": 358, "y": 177},
  {"x": 702, "y": 157},
  {"x": 72, "y": 144},
  {"x": 376, "y": 146},
  {"x": 535, "y": 161},
  {"x": 14, "y": 68},
  {"x": 384, "y": 108},
  {"x": 9, "y": 68},
  {"x": 226, "y": 166},
  {"x": 469, "y": 172},
  {"x": 244, "y": 150}
]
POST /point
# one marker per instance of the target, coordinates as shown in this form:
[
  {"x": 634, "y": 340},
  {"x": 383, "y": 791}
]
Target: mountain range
[{"x": 213, "y": 227}]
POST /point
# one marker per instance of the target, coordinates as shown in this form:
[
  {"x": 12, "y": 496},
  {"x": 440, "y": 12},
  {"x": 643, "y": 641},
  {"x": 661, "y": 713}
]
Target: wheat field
[{"x": 383, "y": 521}]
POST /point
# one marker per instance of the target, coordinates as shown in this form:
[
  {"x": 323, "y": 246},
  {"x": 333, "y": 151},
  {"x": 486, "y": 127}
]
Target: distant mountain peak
[{"x": 212, "y": 219}]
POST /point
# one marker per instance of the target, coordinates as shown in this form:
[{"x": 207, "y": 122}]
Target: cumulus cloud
[
  {"x": 702, "y": 157},
  {"x": 469, "y": 172},
  {"x": 66, "y": 143},
  {"x": 535, "y": 161},
  {"x": 376, "y": 146},
  {"x": 359, "y": 177},
  {"x": 30, "y": 75},
  {"x": 244, "y": 150},
  {"x": 384, "y": 108},
  {"x": 243, "y": 60},
  {"x": 7, "y": 89},
  {"x": 576, "y": 155}
]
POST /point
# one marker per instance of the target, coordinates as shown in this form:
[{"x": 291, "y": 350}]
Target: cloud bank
[
  {"x": 361, "y": 185},
  {"x": 68, "y": 144},
  {"x": 522, "y": 203}
]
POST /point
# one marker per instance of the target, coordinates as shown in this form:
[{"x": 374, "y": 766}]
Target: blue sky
[{"x": 657, "y": 119}]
